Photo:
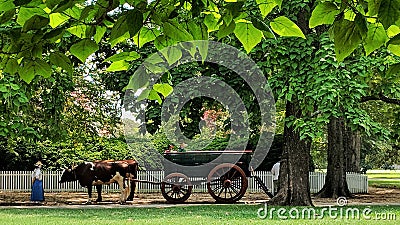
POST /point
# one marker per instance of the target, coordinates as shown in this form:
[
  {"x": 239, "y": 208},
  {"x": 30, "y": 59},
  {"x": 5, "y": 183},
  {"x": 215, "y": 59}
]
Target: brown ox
[{"x": 97, "y": 173}]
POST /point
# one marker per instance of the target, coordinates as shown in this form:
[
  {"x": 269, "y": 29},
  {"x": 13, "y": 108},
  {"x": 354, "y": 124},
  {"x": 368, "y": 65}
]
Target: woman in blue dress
[{"x": 37, "y": 194}]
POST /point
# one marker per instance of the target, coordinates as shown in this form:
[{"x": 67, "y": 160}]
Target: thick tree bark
[
  {"x": 335, "y": 180},
  {"x": 294, "y": 170},
  {"x": 352, "y": 149}
]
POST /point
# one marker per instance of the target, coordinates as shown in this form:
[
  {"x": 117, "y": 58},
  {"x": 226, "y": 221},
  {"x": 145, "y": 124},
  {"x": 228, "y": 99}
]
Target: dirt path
[{"x": 376, "y": 196}]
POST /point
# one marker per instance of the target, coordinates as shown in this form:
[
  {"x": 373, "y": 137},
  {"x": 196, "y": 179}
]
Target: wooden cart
[{"x": 227, "y": 182}]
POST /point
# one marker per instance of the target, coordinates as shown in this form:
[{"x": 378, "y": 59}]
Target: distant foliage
[{"x": 57, "y": 155}]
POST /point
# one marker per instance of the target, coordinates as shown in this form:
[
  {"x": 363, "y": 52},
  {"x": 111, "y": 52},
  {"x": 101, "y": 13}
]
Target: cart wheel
[
  {"x": 176, "y": 188},
  {"x": 227, "y": 183}
]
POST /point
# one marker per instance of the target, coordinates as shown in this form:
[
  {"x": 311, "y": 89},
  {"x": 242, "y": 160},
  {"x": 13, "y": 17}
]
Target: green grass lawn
[
  {"x": 200, "y": 214},
  {"x": 384, "y": 178}
]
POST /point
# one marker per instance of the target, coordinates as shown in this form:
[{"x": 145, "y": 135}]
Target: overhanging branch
[{"x": 381, "y": 97}]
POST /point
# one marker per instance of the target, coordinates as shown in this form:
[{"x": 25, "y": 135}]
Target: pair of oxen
[{"x": 98, "y": 173}]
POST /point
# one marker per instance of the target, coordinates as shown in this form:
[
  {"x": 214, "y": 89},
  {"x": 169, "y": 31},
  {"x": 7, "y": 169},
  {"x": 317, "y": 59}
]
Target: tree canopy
[{"x": 39, "y": 36}]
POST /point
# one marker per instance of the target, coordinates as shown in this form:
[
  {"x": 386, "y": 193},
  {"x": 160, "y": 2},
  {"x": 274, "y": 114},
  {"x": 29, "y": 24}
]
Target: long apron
[{"x": 37, "y": 191}]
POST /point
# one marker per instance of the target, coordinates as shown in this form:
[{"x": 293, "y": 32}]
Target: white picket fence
[{"x": 21, "y": 181}]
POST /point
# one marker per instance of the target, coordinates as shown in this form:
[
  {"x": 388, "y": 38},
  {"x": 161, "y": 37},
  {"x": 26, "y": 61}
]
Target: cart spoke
[
  {"x": 231, "y": 176},
  {"x": 225, "y": 191},
  {"x": 234, "y": 190},
  {"x": 230, "y": 192},
  {"x": 221, "y": 191},
  {"x": 182, "y": 192},
  {"x": 216, "y": 181}
]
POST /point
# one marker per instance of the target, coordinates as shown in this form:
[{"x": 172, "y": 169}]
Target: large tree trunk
[
  {"x": 335, "y": 180},
  {"x": 294, "y": 170},
  {"x": 352, "y": 149}
]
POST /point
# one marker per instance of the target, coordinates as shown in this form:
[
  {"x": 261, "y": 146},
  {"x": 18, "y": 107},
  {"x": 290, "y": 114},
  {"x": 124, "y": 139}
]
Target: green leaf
[
  {"x": 15, "y": 87},
  {"x": 226, "y": 30},
  {"x": 285, "y": 27},
  {"x": 234, "y": 8},
  {"x": 119, "y": 29},
  {"x": 395, "y": 49},
  {"x": 361, "y": 25},
  {"x": 7, "y": 16},
  {"x": 88, "y": 11},
  {"x": 171, "y": 54},
  {"x": 42, "y": 68},
  {"x": 3, "y": 88},
  {"x": 35, "y": 23},
  {"x": 176, "y": 31},
  {"x": 163, "y": 41},
  {"x": 211, "y": 22},
  {"x": 65, "y": 6},
  {"x": 373, "y": 7},
  {"x": 6, "y": 5},
  {"x": 394, "y": 69},
  {"x": 389, "y": 12},
  {"x": 145, "y": 35},
  {"x": 37, "y": 51},
  {"x": 164, "y": 89},
  {"x": 267, "y": 31},
  {"x": 127, "y": 56},
  {"x": 376, "y": 37},
  {"x": 248, "y": 35},
  {"x": 394, "y": 40},
  {"x": 54, "y": 34},
  {"x": 135, "y": 21},
  {"x": 79, "y": 30},
  {"x": 22, "y": 98},
  {"x": 26, "y": 13},
  {"x": 57, "y": 18},
  {"x": 11, "y": 66},
  {"x": 52, "y": 3},
  {"x": 121, "y": 65},
  {"x": 202, "y": 46},
  {"x": 144, "y": 94},
  {"x": 266, "y": 6},
  {"x": 138, "y": 80},
  {"x": 131, "y": 21},
  {"x": 31, "y": 68},
  {"x": 153, "y": 95},
  {"x": 62, "y": 61},
  {"x": 349, "y": 15},
  {"x": 324, "y": 13},
  {"x": 198, "y": 32},
  {"x": 123, "y": 38},
  {"x": 227, "y": 17},
  {"x": 154, "y": 59},
  {"x": 190, "y": 47},
  {"x": 393, "y": 31},
  {"x": 84, "y": 49},
  {"x": 346, "y": 38},
  {"x": 100, "y": 31}
]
